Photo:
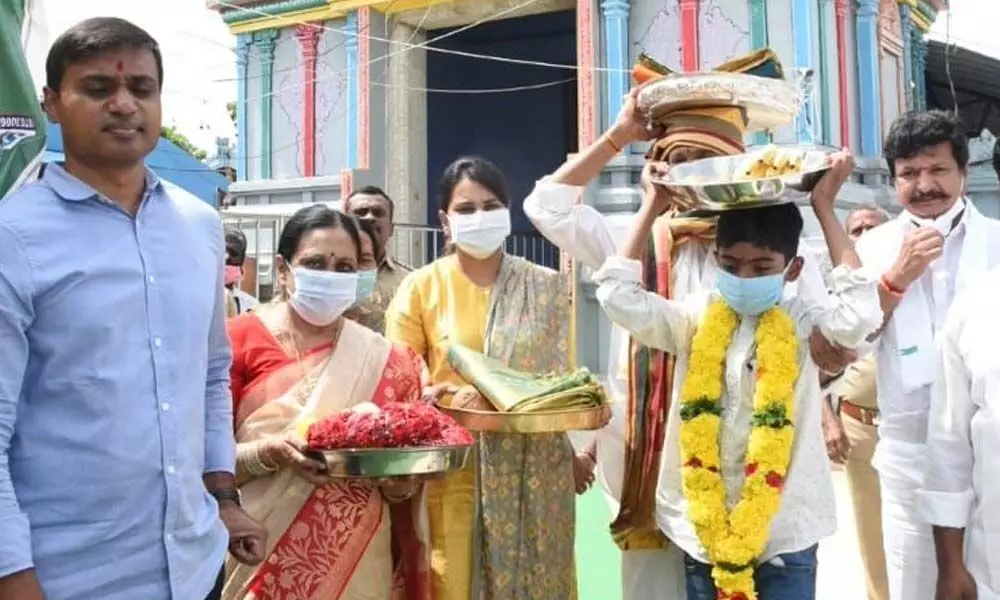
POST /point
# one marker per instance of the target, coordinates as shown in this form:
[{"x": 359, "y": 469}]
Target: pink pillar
[
  {"x": 308, "y": 36},
  {"x": 689, "y": 35}
]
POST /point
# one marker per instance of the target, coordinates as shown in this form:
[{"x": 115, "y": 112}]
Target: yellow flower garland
[{"x": 735, "y": 539}]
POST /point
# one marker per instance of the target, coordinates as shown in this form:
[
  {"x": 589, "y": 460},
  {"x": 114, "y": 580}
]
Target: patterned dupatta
[
  {"x": 650, "y": 375},
  {"x": 322, "y": 541},
  {"x": 526, "y": 514}
]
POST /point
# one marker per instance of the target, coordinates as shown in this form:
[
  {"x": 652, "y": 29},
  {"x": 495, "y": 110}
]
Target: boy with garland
[{"x": 745, "y": 487}]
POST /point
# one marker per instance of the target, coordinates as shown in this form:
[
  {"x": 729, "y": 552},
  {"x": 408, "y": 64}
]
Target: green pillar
[{"x": 266, "y": 41}]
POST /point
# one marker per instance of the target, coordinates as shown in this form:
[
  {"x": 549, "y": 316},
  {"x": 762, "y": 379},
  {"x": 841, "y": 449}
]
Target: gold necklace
[{"x": 289, "y": 338}]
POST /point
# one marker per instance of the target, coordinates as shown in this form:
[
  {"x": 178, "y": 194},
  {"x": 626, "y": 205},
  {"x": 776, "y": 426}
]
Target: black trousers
[{"x": 216, "y": 593}]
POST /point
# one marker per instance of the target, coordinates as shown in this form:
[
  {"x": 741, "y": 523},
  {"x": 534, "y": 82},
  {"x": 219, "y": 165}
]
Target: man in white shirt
[
  {"x": 938, "y": 245},
  {"x": 961, "y": 495}
]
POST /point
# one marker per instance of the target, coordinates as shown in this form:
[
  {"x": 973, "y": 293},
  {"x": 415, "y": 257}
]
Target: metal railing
[{"x": 412, "y": 245}]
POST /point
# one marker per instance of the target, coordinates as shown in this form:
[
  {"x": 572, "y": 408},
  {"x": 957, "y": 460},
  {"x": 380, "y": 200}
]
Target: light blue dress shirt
[{"x": 114, "y": 391}]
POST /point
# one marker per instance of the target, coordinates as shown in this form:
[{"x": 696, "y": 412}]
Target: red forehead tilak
[{"x": 121, "y": 67}]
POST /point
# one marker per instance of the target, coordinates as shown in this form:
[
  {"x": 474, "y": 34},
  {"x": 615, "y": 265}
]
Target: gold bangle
[{"x": 254, "y": 462}]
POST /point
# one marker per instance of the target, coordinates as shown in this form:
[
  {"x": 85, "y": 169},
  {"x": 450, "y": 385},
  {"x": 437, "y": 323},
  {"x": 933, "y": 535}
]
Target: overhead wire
[
  {"x": 948, "y": 48},
  {"x": 407, "y": 46},
  {"x": 295, "y": 67},
  {"x": 425, "y": 45}
]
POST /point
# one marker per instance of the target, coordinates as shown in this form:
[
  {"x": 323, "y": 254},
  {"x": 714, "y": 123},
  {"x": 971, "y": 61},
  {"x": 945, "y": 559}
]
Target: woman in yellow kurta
[{"x": 504, "y": 527}]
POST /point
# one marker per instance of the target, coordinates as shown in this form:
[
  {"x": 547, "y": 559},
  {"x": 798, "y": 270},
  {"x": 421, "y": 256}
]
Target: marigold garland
[{"x": 735, "y": 539}]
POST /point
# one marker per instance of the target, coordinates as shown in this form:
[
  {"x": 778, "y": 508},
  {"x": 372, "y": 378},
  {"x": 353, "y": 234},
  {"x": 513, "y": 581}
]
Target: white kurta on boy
[{"x": 807, "y": 513}]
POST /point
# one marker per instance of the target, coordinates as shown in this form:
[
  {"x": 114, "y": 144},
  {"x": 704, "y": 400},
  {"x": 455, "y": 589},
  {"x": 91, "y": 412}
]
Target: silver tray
[
  {"x": 392, "y": 462},
  {"x": 716, "y": 190},
  {"x": 770, "y": 103}
]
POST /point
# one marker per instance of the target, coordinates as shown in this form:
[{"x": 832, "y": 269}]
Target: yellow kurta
[{"x": 433, "y": 308}]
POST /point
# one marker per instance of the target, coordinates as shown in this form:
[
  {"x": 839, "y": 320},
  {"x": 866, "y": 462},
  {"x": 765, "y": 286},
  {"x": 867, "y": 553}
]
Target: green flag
[{"x": 22, "y": 124}]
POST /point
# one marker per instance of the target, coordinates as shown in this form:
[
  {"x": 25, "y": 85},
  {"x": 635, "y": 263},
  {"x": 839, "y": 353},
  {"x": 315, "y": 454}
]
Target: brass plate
[{"x": 541, "y": 422}]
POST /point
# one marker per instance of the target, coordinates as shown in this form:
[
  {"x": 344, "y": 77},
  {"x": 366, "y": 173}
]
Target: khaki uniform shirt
[
  {"x": 390, "y": 276},
  {"x": 857, "y": 385}
]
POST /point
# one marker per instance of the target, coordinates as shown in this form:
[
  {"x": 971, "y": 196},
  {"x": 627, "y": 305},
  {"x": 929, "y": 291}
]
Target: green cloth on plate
[{"x": 518, "y": 392}]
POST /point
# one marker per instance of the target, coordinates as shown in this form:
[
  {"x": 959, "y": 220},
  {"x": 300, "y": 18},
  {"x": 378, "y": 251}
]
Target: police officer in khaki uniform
[{"x": 371, "y": 203}]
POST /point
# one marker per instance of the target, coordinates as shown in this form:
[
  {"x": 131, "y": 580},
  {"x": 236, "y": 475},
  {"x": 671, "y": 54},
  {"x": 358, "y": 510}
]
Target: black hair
[
  {"x": 94, "y": 37},
  {"x": 473, "y": 168},
  {"x": 317, "y": 216},
  {"x": 372, "y": 190},
  {"x": 368, "y": 228},
  {"x": 776, "y": 228},
  {"x": 915, "y": 131},
  {"x": 236, "y": 244}
]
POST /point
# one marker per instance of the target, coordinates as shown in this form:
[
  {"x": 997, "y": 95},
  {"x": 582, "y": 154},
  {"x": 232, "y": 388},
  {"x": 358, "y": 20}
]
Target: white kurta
[
  {"x": 907, "y": 357},
  {"x": 590, "y": 238},
  {"x": 962, "y": 483},
  {"x": 807, "y": 513}
]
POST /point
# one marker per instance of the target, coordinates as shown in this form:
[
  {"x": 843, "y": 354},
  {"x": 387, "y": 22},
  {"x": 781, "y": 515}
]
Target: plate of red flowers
[{"x": 391, "y": 440}]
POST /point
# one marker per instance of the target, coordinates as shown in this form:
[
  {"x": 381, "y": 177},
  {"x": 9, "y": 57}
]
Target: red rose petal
[{"x": 396, "y": 426}]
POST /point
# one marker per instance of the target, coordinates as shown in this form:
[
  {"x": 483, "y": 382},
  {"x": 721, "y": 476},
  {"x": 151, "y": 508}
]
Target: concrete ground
[{"x": 599, "y": 562}]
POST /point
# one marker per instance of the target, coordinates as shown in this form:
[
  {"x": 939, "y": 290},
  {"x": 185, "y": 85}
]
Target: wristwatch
[{"x": 224, "y": 494}]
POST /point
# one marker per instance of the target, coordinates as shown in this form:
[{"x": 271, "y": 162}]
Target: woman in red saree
[{"x": 297, "y": 360}]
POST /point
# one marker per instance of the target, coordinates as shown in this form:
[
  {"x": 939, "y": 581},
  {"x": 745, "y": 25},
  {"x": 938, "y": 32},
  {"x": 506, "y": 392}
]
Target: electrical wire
[
  {"x": 948, "y": 48},
  {"x": 285, "y": 21},
  {"x": 407, "y": 47}
]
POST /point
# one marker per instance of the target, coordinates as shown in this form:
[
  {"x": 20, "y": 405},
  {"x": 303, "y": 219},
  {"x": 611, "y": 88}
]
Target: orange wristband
[
  {"x": 895, "y": 291},
  {"x": 614, "y": 146}
]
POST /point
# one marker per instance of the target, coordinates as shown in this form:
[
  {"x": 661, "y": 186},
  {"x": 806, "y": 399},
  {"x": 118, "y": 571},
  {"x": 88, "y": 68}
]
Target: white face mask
[
  {"x": 482, "y": 233},
  {"x": 944, "y": 223},
  {"x": 320, "y": 297}
]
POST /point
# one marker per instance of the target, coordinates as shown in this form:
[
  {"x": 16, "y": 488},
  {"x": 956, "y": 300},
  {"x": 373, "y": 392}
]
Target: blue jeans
[{"x": 789, "y": 576}]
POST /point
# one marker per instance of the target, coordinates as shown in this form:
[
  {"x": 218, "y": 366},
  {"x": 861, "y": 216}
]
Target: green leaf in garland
[
  {"x": 774, "y": 417},
  {"x": 690, "y": 410}
]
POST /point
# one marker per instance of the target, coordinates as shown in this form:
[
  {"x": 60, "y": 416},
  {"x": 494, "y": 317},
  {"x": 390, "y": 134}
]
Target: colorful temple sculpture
[{"x": 335, "y": 94}]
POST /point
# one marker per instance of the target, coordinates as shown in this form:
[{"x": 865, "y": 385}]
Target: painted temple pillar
[
  {"x": 308, "y": 37},
  {"x": 243, "y": 44},
  {"x": 907, "y": 28},
  {"x": 869, "y": 84},
  {"x": 689, "y": 34},
  {"x": 351, "y": 46},
  {"x": 614, "y": 184},
  {"x": 843, "y": 96},
  {"x": 824, "y": 89},
  {"x": 266, "y": 41},
  {"x": 803, "y": 13},
  {"x": 614, "y": 20},
  {"x": 918, "y": 44},
  {"x": 758, "y": 40}
]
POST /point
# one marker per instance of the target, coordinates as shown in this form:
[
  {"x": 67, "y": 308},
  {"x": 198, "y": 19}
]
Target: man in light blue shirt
[{"x": 116, "y": 438}]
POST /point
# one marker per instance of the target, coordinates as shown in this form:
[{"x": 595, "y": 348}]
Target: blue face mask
[
  {"x": 750, "y": 297},
  {"x": 366, "y": 284}
]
